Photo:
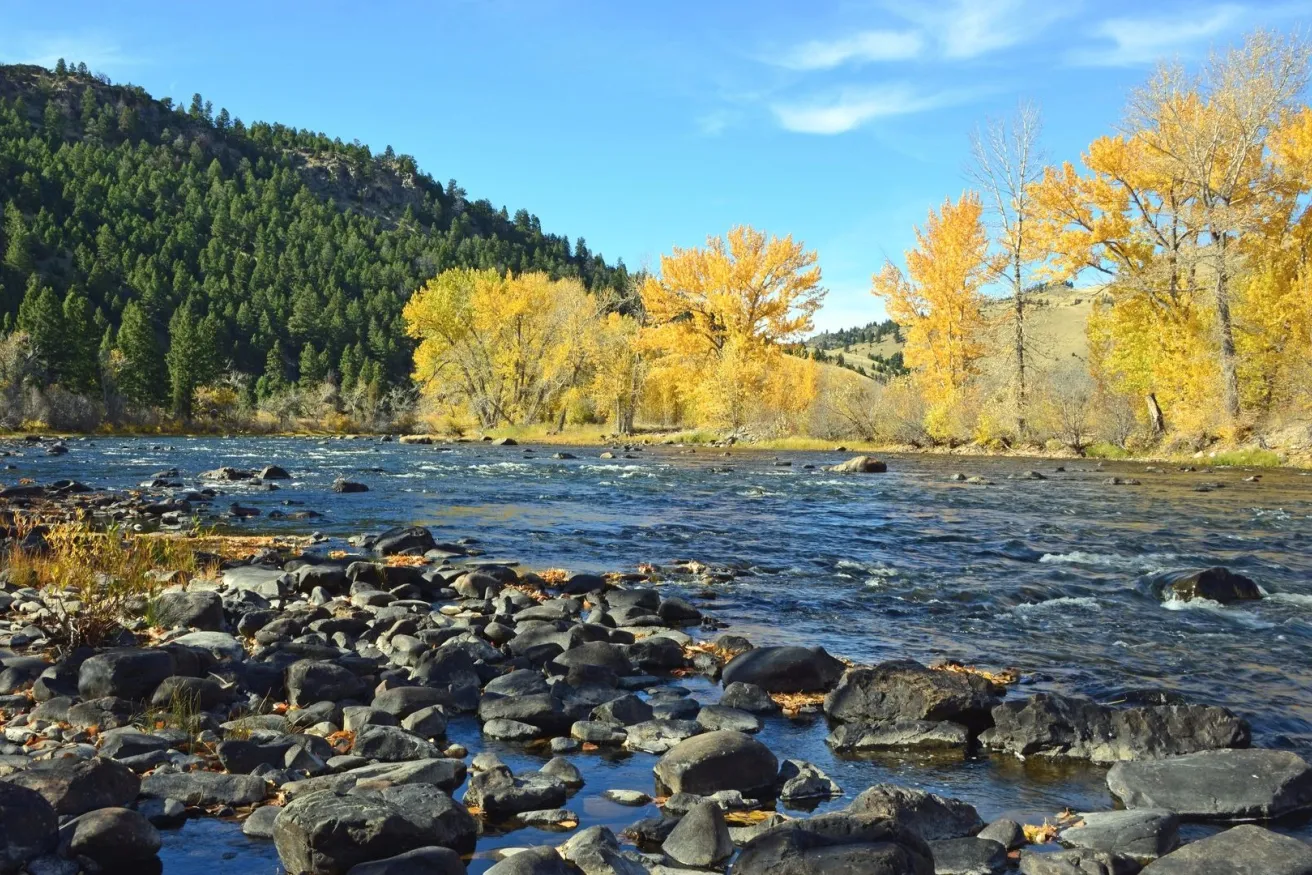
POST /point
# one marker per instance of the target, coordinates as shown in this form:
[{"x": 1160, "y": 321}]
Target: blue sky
[{"x": 642, "y": 126}]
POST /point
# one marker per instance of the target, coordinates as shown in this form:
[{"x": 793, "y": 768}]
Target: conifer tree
[
  {"x": 79, "y": 365},
  {"x": 141, "y": 376}
]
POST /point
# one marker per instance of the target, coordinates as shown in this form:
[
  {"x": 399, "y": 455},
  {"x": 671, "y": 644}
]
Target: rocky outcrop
[{"x": 1062, "y": 726}]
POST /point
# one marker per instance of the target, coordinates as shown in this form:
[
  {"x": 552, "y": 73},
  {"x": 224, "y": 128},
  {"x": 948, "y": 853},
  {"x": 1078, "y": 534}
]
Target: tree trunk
[
  {"x": 1022, "y": 389},
  {"x": 1229, "y": 366},
  {"x": 1155, "y": 419}
]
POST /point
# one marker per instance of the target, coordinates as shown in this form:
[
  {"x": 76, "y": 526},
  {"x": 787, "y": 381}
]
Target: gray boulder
[
  {"x": 532, "y": 861},
  {"x": 310, "y": 681},
  {"x": 1063, "y": 726},
  {"x": 111, "y": 837},
  {"x": 907, "y": 690},
  {"x": 447, "y": 774},
  {"x": 393, "y": 744},
  {"x": 1216, "y": 584},
  {"x": 853, "y": 844},
  {"x": 205, "y": 788},
  {"x": 968, "y": 856},
  {"x": 1242, "y": 850},
  {"x": 1217, "y": 785},
  {"x": 1144, "y": 834},
  {"x": 596, "y": 851},
  {"x": 326, "y": 834},
  {"x": 1005, "y": 832},
  {"x": 74, "y": 786},
  {"x": 701, "y": 840},
  {"x": 785, "y": 669},
  {"x": 444, "y": 821},
  {"x": 125, "y": 672},
  {"x": 259, "y": 825},
  {"x": 860, "y": 465},
  {"x": 714, "y": 761},
  {"x": 748, "y": 697},
  {"x": 928, "y": 734},
  {"x": 201, "y": 609},
  {"x": 800, "y": 780},
  {"x": 929, "y": 816},
  {"x": 29, "y": 826},
  {"x": 716, "y": 717},
  {"x": 501, "y": 795},
  {"x": 1076, "y": 862}
]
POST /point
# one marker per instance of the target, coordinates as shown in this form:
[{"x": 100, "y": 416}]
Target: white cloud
[
  {"x": 1132, "y": 41},
  {"x": 971, "y": 28},
  {"x": 863, "y": 47},
  {"x": 714, "y": 123},
  {"x": 97, "y": 51},
  {"x": 853, "y": 108}
]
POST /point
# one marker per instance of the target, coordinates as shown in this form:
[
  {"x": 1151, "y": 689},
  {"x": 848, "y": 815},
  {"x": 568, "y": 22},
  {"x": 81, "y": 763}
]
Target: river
[{"x": 1057, "y": 577}]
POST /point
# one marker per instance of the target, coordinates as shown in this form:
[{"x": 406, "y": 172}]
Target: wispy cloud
[
  {"x": 859, "y": 48},
  {"x": 715, "y": 122},
  {"x": 852, "y": 108},
  {"x": 1125, "y": 42},
  {"x": 966, "y": 29},
  {"x": 98, "y": 51}
]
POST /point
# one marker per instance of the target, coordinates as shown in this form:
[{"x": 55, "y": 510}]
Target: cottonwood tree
[
  {"x": 1007, "y": 161},
  {"x": 938, "y": 302},
  {"x": 717, "y": 318}
]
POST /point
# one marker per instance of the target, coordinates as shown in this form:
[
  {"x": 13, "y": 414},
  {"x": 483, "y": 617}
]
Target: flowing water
[{"x": 1059, "y": 578}]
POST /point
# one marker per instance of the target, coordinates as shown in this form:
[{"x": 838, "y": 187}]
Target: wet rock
[
  {"x": 748, "y": 697},
  {"x": 205, "y": 788},
  {"x": 1242, "y": 850},
  {"x": 415, "y": 540},
  {"x": 310, "y": 681},
  {"x": 857, "y": 844},
  {"x": 701, "y": 839},
  {"x": 421, "y": 861},
  {"x": 627, "y": 797},
  {"x": 714, "y": 761},
  {"x": 968, "y": 856},
  {"x": 899, "y": 734},
  {"x": 393, "y": 744},
  {"x": 659, "y": 736},
  {"x": 1007, "y": 833},
  {"x": 342, "y": 485},
  {"x": 596, "y": 851},
  {"x": 126, "y": 672},
  {"x": 511, "y": 730},
  {"x": 1144, "y": 834},
  {"x": 1051, "y": 725},
  {"x": 677, "y": 612},
  {"x": 564, "y": 771},
  {"x": 714, "y": 717},
  {"x": 196, "y": 610},
  {"x": 163, "y": 813},
  {"x": 532, "y": 861},
  {"x": 226, "y": 474},
  {"x": 860, "y": 465},
  {"x": 442, "y": 820},
  {"x": 800, "y": 780},
  {"x": 785, "y": 669},
  {"x": 1217, "y": 785},
  {"x": 599, "y": 653},
  {"x": 934, "y": 818},
  {"x": 907, "y": 690},
  {"x": 1216, "y": 584},
  {"x": 73, "y": 786},
  {"x": 549, "y": 818},
  {"x": 326, "y": 834},
  {"x": 657, "y": 653},
  {"x": 260, "y": 823},
  {"x": 447, "y": 774},
  {"x": 542, "y": 710},
  {"x": 1076, "y": 862},
  {"x": 273, "y": 472},
  {"x": 111, "y": 837},
  {"x": 29, "y": 826},
  {"x": 624, "y": 711},
  {"x": 501, "y": 795}
]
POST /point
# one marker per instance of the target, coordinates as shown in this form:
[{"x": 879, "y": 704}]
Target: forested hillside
[{"x": 135, "y": 229}]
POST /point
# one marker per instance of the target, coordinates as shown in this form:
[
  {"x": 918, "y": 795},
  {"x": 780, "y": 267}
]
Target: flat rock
[
  {"x": 968, "y": 856},
  {"x": 856, "y": 844},
  {"x": 907, "y": 690},
  {"x": 929, "y": 734},
  {"x": 1076, "y": 862},
  {"x": 447, "y": 774},
  {"x": 205, "y": 788},
  {"x": 1242, "y": 850},
  {"x": 74, "y": 786},
  {"x": 125, "y": 672},
  {"x": 1217, "y": 785},
  {"x": 325, "y": 834},
  {"x": 1144, "y": 834},
  {"x": 1066, "y": 726}
]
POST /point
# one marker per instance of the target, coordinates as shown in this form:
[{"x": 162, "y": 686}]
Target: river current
[{"x": 1059, "y": 578}]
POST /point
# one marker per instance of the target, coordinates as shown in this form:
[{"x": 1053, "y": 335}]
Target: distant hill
[
  {"x": 302, "y": 247},
  {"x": 1057, "y": 323}
]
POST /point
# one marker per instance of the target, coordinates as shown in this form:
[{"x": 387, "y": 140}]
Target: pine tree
[
  {"x": 79, "y": 365},
  {"x": 41, "y": 316},
  {"x": 180, "y": 360},
  {"x": 141, "y": 375}
]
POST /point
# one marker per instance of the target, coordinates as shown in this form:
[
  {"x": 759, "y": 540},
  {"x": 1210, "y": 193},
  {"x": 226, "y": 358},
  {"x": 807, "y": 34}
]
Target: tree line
[{"x": 162, "y": 257}]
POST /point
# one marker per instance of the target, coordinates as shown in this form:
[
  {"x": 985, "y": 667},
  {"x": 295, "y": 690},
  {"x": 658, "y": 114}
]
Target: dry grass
[
  {"x": 1003, "y": 678},
  {"x": 797, "y": 703}
]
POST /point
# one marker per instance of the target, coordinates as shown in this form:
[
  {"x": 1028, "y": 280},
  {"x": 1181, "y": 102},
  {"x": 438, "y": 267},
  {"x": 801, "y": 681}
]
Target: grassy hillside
[{"x": 1057, "y": 323}]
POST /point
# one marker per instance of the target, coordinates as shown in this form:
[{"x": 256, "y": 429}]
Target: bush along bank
[{"x": 310, "y": 695}]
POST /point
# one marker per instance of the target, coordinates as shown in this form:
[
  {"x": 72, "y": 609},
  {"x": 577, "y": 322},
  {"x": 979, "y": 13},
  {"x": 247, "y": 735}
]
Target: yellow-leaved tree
[
  {"x": 938, "y": 304},
  {"x": 716, "y": 320},
  {"x": 504, "y": 348}
]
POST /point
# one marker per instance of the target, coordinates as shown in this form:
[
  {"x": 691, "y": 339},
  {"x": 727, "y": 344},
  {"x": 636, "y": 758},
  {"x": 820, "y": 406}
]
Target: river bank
[{"x": 397, "y": 623}]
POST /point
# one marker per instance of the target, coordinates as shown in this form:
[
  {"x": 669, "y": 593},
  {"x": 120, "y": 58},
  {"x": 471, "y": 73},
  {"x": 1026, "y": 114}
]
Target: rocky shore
[{"x": 308, "y": 694}]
